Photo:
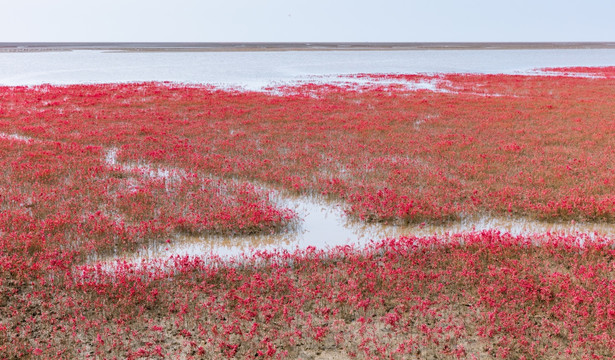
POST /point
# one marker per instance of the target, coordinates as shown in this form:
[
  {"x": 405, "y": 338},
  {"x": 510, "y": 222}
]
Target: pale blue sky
[{"x": 306, "y": 20}]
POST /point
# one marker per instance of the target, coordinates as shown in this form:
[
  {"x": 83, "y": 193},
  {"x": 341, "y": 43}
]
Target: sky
[{"x": 306, "y": 20}]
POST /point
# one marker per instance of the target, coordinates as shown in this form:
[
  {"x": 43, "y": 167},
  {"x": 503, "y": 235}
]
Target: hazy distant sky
[{"x": 306, "y": 20}]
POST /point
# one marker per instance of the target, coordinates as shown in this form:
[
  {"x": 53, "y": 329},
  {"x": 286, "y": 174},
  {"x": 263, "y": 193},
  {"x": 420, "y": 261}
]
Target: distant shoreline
[{"x": 298, "y": 46}]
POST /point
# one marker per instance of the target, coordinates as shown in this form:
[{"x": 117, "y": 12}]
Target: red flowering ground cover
[
  {"x": 64, "y": 197},
  {"x": 532, "y": 146},
  {"x": 482, "y": 295},
  {"x": 600, "y": 72}
]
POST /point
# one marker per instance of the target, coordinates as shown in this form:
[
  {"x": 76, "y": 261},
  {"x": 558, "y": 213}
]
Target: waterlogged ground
[
  {"x": 318, "y": 223},
  {"x": 323, "y": 224},
  {"x": 509, "y": 177}
]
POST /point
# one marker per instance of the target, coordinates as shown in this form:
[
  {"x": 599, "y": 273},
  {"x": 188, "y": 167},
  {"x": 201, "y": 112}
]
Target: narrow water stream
[{"x": 321, "y": 224}]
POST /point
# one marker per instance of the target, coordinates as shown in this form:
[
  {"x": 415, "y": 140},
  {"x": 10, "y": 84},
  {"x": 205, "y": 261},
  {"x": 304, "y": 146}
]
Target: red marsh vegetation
[{"x": 82, "y": 169}]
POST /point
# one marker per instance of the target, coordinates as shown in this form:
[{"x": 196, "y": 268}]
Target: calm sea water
[{"x": 254, "y": 70}]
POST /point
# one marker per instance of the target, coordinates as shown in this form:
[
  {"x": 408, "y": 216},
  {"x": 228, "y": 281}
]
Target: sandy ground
[{"x": 316, "y": 46}]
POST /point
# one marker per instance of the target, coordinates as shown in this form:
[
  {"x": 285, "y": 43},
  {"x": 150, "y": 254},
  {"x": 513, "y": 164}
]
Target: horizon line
[{"x": 298, "y": 46}]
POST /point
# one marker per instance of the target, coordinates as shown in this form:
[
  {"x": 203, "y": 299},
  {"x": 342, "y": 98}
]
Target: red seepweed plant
[
  {"x": 532, "y": 146},
  {"x": 111, "y": 168}
]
